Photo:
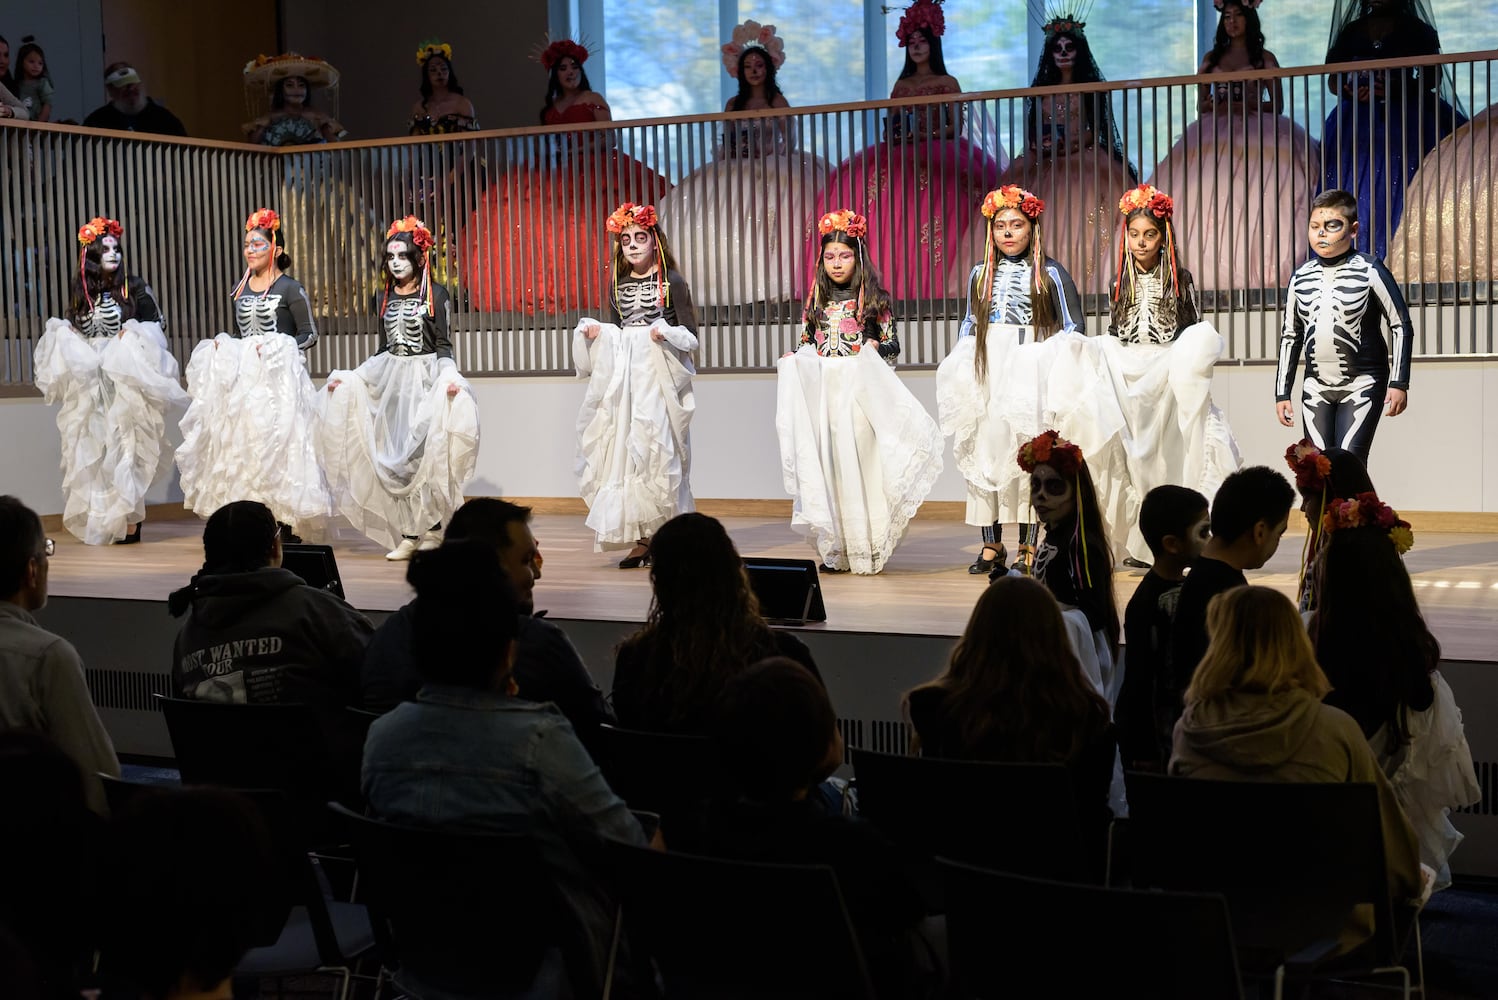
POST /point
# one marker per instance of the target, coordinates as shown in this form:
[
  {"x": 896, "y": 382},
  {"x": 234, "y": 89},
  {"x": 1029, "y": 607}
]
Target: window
[
  {"x": 824, "y": 61},
  {"x": 662, "y": 58}
]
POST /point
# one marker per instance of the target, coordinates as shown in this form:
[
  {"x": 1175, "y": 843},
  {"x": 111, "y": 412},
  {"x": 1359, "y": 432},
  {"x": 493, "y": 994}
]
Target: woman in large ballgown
[
  {"x": 287, "y": 83},
  {"x": 926, "y": 179},
  {"x": 1446, "y": 232},
  {"x": 1243, "y": 169},
  {"x": 744, "y": 214},
  {"x": 1386, "y": 120},
  {"x": 534, "y": 243},
  {"x": 1073, "y": 158},
  {"x": 108, "y": 365}
]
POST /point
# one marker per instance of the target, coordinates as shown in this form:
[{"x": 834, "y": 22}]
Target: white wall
[{"x": 71, "y": 33}]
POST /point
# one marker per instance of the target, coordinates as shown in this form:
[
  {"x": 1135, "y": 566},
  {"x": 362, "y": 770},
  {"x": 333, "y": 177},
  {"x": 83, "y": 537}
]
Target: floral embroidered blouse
[{"x": 836, "y": 331}]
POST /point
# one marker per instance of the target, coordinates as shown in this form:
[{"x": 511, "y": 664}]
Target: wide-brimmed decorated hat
[{"x": 265, "y": 71}]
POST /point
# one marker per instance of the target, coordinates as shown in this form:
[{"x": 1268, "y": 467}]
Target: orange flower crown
[
  {"x": 1310, "y": 466},
  {"x": 630, "y": 214},
  {"x": 265, "y": 219},
  {"x": 1149, "y": 198},
  {"x": 924, "y": 16},
  {"x": 427, "y": 49},
  {"x": 415, "y": 228},
  {"x": 1367, "y": 510},
  {"x": 1054, "y": 450},
  {"x": 1012, "y": 196},
  {"x": 844, "y": 221},
  {"x": 97, "y": 228},
  {"x": 562, "y": 48}
]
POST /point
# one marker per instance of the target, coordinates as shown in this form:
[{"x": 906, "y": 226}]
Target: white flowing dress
[
  {"x": 116, "y": 384},
  {"x": 858, "y": 451}
]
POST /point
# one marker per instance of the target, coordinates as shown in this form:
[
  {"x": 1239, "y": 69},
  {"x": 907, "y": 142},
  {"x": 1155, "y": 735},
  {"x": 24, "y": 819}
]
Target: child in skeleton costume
[
  {"x": 400, "y": 434},
  {"x": 109, "y": 367},
  {"x": 250, "y": 433},
  {"x": 1160, "y": 356},
  {"x": 1341, "y": 302},
  {"x": 633, "y": 450},
  {"x": 858, "y": 451},
  {"x": 1021, "y": 363}
]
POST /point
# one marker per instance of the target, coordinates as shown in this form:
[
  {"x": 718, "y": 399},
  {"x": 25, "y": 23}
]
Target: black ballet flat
[
  {"x": 832, "y": 569},
  {"x": 636, "y": 561},
  {"x": 1133, "y": 563},
  {"x": 133, "y": 538},
  {"x": 983, "y": 566}
]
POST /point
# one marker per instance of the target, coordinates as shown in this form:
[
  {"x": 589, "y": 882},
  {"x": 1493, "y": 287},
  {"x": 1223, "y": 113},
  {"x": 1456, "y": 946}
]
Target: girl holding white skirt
[
  {"x": 400, "y": 433},
  {"x": 108, "y": 366}
]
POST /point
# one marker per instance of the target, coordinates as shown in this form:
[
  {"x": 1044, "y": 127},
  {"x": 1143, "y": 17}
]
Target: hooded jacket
[{"x": 264, "y": 638}]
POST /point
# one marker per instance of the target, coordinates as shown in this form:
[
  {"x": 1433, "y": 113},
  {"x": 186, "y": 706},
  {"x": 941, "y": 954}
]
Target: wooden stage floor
[{"x": 925, "y": 590}]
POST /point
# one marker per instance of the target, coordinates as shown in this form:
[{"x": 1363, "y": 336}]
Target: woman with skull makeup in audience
[
  {"x": 108, "y": 365},
  {"x": 287, "y": 83},
  {"x": 250, "y": 432},
  {"x": 400, "y": 434}
]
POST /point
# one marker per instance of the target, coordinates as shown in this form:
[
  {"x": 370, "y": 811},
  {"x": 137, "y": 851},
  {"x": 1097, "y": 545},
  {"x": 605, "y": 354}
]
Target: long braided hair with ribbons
[{"x": 1043, "y": 314}]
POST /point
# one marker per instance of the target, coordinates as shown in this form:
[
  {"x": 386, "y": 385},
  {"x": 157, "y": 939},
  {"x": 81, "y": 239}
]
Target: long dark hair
[
  {"x": 1013, "y": 686},
  {"x": 1253, "y": 32},
  {"x": 28, "y": 46},
  {"x": 278, "y": 92},
  {"x": 865, "y": 282},
  {"x": 704, "y": 624},
  {"x": 1370, "y": 636},
  {"x": 278, "y": 241},
  {"x": 116, "y": 284},
  {"x": 453, "y": 87},
  {"x": 936, "y": 62},
  {"x": 1044, "y": 315},
  {"x": 1178, "y": 306},
  {"x": 239, "y": 538},
  {"x": 772, "y": 89},
  {"x": 1088, "y": 569},
  {"x": 554, "y": 84}
]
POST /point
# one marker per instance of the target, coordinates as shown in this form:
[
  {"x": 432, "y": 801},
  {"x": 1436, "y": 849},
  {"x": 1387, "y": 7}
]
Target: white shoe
[
  {"x": 403, "y": 551},
  {"x": 429, "y": 541}
]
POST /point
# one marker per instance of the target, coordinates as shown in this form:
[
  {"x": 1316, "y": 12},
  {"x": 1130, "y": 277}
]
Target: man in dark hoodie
[{"x": 256, "y": 633}]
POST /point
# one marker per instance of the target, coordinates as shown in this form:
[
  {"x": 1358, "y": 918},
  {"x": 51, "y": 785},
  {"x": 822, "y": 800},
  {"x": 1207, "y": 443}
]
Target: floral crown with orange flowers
[
  {"x": 411, "y": 226},
  {"x": 924, "y": 16},
  {"x": 1012, "y": 196},
  {"x": 97, "y": 228},
  {"x": 752, "y": 35},
  {"x": 264, "y": 219},
  {"x": 1366, "y": 510},
  {"x": 562, "y": 48},
  {"x": 1146, "y": 198},
  {"x": 1149, "y": 198},
  {"x": 1050, "y": 448},
  {"x": 630, "y": 214},
  {"x": 843, "y": 221},
  {"x": 430, "y": 48}
]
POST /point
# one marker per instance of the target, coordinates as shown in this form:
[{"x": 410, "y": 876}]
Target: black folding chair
[
  {"x": 672, "y": 776},
  {"x": 1008, "y": 935}
]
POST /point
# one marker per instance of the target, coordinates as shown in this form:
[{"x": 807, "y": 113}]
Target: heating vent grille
[
  {"x": 127, "y": 689},
  {"x": 879, "y": 735},
  {"x": 1487, "y": 780}
]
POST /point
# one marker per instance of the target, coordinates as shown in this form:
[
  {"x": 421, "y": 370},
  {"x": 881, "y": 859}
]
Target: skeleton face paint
[
  {"x": 1011, "y": 232},
  {"x": 1144, "y": 239},
  {"x": 1052, "y": 497},
  {"x": 109, "y": 255},
  {"x": 1065, "y": 53},
  {"x": 398, "y": 260},
  {"x": 639, "y": 249},
  {"x": 1331, "y": 234}
]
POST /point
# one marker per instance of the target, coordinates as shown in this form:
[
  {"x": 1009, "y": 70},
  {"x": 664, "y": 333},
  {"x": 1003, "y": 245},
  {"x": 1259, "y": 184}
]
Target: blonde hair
[{"x": 1256, "y": 644}]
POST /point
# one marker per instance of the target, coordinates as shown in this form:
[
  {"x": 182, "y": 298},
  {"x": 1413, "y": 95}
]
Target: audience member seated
[
  {"x": 1176, "y": 525},
  {"x": 176, "y": 923},
  {"x": 1014, "y": 691},
  {"x": 1382, "y": 660},
  {"x": 130, "y": 109},
  {"x": 704, "y": 628},
  {"x": 1322, "y": 478},
  {"x": 52, "y": 843},
  {"x": 1254, "y": 713},
  {"x": 777, "y": 737},
  {"x": 469, "y": 754},
  {"x": 1249, "y": 515},
  {"x": 255, "y": 633},
  {"x": 547, "y": 667},
  {"x": 42, "y": 686}
]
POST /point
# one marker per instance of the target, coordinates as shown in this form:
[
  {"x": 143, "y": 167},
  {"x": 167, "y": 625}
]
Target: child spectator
[{"x": 33, "y": 82}]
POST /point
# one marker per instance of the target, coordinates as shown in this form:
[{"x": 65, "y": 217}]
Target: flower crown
[
  {"x": 420, "y": 235},
  {"x": 630, "y": 214},
  {"x": 1149, "y": 198},
  {"x": 844, "y": 221},
  {"x": 924, "y": 16},
  {"x": 1250, "y": 4},
  {"x": 1012, "y": 196},
  {"x": 562, "y": 48},
  {"x": 1310, "y": 466},
  {"x": 263, "y": 218},
  {"x": 426, "y": 50},
  {"x": 1367, "y": 510},
  {"x": 1054, "y": 450},
  {"x": 97, "y": 228},
  {"x": 753, "y": 35},
  {"x": 1065, "y": 25}
]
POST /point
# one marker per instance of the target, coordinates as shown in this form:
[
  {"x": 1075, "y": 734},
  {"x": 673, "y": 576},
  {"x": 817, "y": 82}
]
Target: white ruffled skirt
[
  {"x": 633, "y": 445},
  {"x": 397, "y": 449},
  {"x": 858, "y": 452},
  {"x": 250, "y": 433},
  {"x": 115, "y": 394}
]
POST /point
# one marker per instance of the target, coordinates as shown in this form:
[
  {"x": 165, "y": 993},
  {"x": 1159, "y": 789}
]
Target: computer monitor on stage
[
  {"x": 315, "y": 565},
  {"x": 788, "y": 589}
]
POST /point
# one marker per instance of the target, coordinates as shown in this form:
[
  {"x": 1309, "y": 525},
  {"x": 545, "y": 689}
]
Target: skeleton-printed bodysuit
[
  {"x": 1010, "y": 301},
  {"x": 837, "y": 331},
  {"x": 281, "y": 308},
  {"x": 1338, "y": 311},
  {"x": 407, "y": 329},
  {"x": 109, "y": 313},
  {"x": 1149, "y": 318},
  {"x": 639, "y": 302}
]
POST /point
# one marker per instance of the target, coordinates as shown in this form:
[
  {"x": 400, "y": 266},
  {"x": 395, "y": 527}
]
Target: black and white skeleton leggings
[{"x": 1345, "y": 416}]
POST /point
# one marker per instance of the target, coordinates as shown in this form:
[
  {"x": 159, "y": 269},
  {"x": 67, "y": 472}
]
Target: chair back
[
  {"x": 738, "y": 929},
  {"x": 460, "y": 912},
  {"x": 1018, "y": 818},
  {"x": 249, "y": 746},
  {"x": 661, "y": 773},
  {"x": 1292, "y": 859},
  {"x": 1009, "y": 935}
]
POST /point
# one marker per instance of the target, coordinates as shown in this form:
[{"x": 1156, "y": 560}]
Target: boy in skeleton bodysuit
[{"x": 1341, "y": 301}]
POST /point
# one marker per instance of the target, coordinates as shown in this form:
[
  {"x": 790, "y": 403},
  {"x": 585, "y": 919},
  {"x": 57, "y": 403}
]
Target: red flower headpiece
[
  {"x": 418, "y": 231},
  {"x": 630, "y": 214},
  {"x": 1149, "y": 198},
  {"x": 1310, "y": 466},
  {"x": 1054, "y": 450},
  {"x": 1012, "y": 196},
  {"x": 924, "y": 16},
  {"x": 844, "y": 221},
  {"x": 1367, "y": 510},
  {"x": 1065, "y": 24},
  {"x": 562, "y": 48},
  {"x": 97, "y": 228},
  {"x": 264, "y": 219}
]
